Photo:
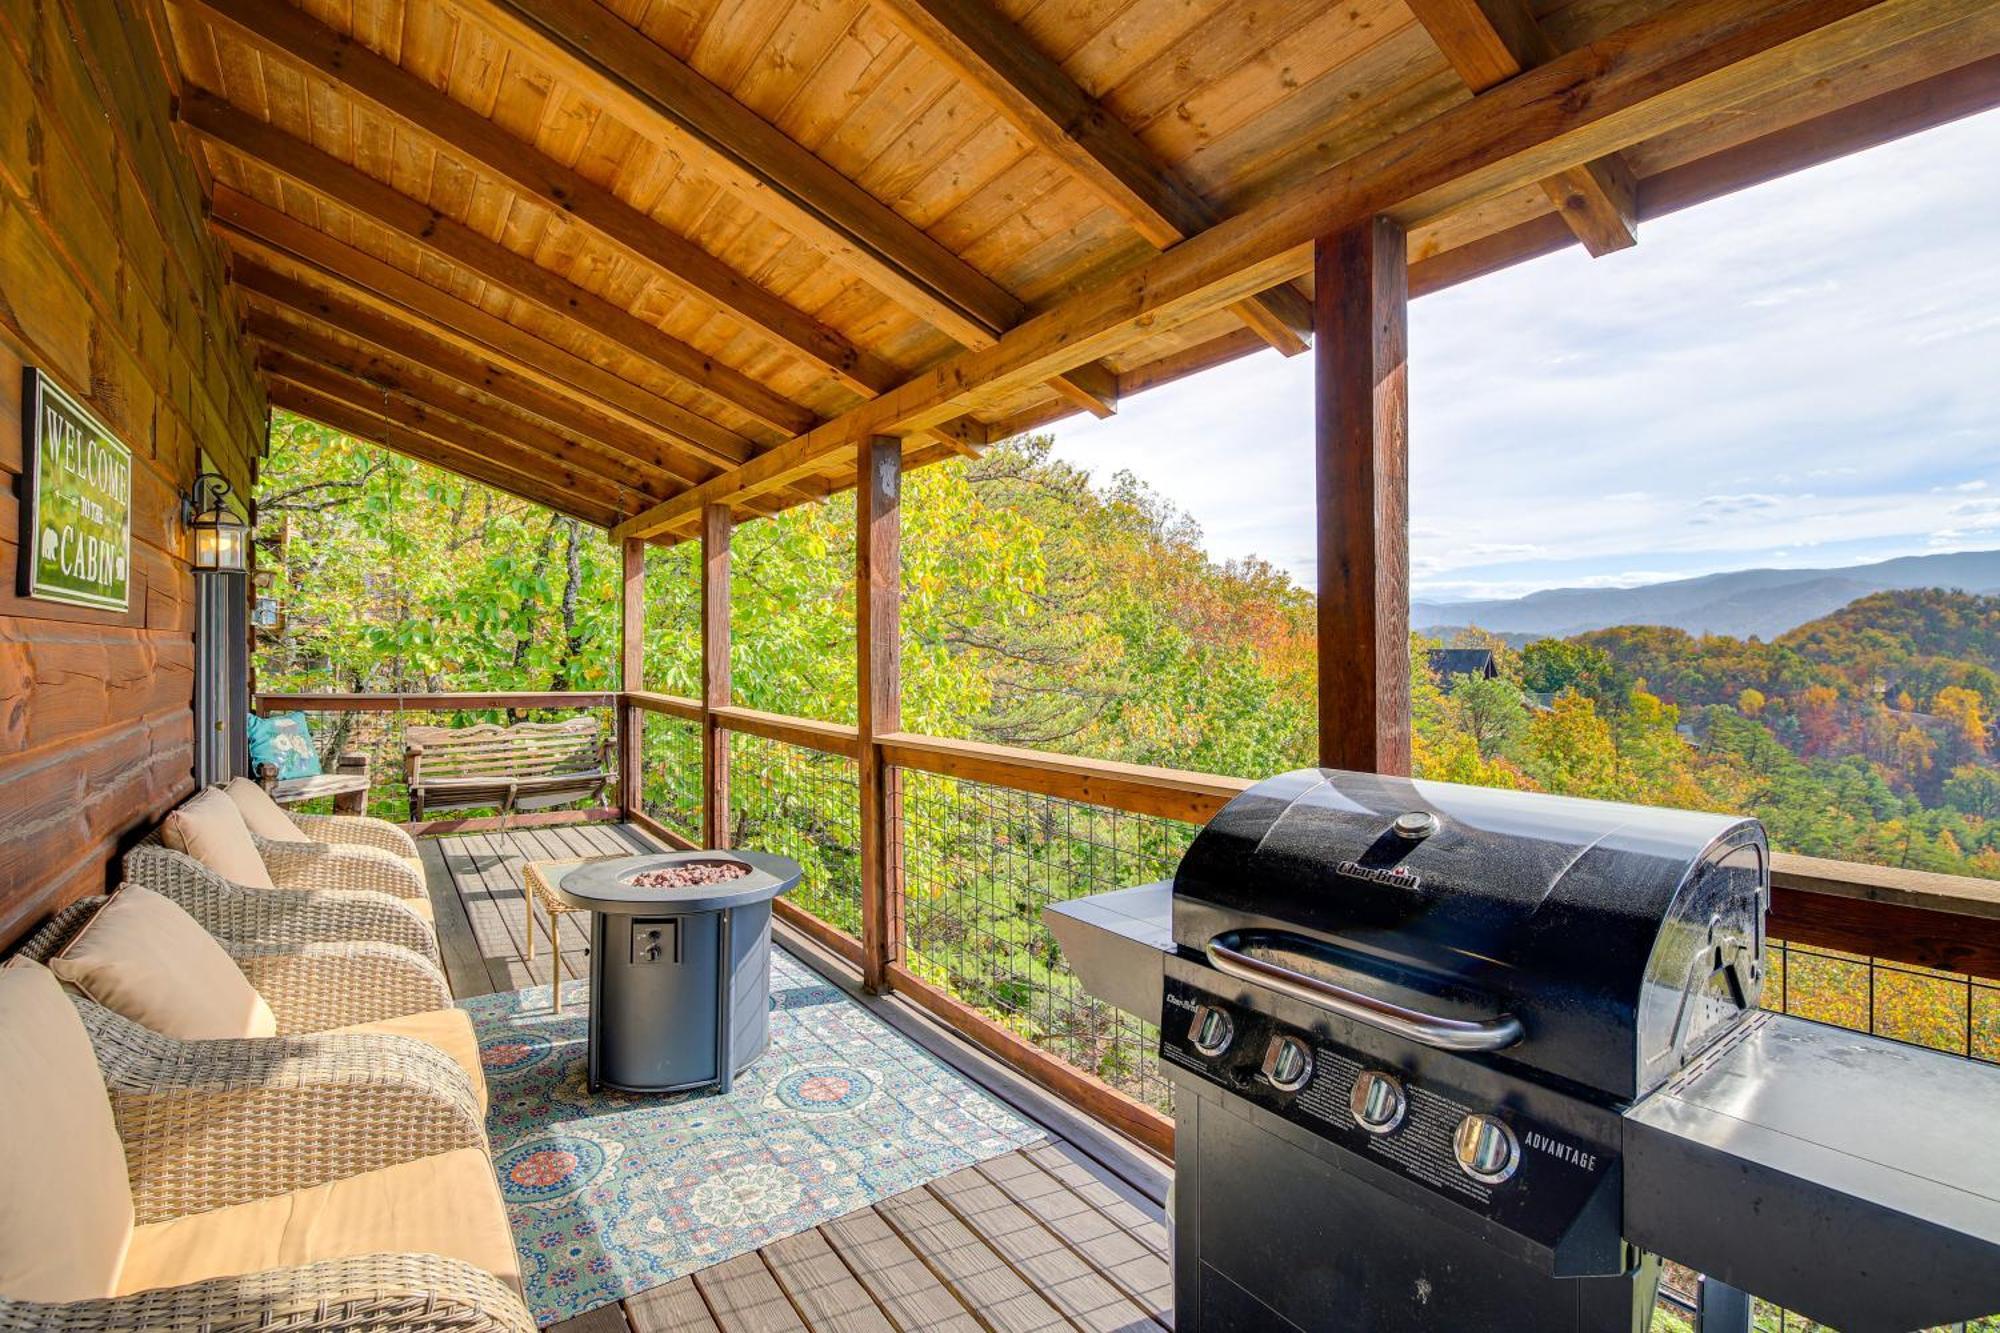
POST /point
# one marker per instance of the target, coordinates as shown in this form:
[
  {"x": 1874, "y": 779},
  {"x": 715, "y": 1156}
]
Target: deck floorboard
[{"x": 1048, "y": 1238}]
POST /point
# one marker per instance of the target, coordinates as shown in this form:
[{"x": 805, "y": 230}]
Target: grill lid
[{"x": 1620, "y": 939}]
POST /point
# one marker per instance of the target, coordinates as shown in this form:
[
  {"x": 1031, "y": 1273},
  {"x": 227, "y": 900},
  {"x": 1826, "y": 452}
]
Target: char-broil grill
[{"x": 1461, "y": 1059}]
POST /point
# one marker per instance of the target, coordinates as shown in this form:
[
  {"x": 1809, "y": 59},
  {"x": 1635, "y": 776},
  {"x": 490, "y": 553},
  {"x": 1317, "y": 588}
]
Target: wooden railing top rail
[
  {"x": 441, "y": 701},
  {"x": 1170, "y": 793},
  {"x": 671, "y": 704},
  {"x": 830, "y": 737},
  {"x": 1960, "y": 895}
]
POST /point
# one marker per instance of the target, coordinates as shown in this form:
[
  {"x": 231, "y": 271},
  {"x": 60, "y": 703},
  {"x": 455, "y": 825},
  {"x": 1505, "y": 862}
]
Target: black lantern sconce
[{"x": 221, "y": 539}]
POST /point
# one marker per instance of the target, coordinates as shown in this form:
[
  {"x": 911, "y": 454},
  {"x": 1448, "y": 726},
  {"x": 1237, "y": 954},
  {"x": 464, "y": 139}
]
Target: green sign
[{"x": 76, "y": 542}]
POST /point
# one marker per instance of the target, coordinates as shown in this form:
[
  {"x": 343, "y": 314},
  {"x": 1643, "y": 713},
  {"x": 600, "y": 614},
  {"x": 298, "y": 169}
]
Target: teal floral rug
[{"x": 615, "y": 1193}]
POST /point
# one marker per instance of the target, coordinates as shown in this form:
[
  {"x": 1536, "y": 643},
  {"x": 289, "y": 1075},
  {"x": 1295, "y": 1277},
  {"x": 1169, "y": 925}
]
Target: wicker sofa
[{"x": 330, "y": 1181}]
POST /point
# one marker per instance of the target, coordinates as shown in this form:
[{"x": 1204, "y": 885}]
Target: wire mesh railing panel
[
  {"x": 805, "y": 804},
  {"x": 382, "y": 735},
  {"x": 980, "y": 864},
  {"x": 1946, "y": 1011},
  {"x": 670, "y": 763}
]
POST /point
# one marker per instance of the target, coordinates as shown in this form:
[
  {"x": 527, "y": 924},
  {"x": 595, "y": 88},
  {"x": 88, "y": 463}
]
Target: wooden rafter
[
  {"x": 413, "y": 104},
  {"x": 260, "y": 142},
  {"x": 1684, "y": 62},
  {"x": 251, "y": 227},
  {"x": 390, "y": 352},
  {"x": 660, "y": 96},
  {"x": 285, "y": 344},
  {"x": 370, "y": 426},
  {"x": 1489, "y": 42},
  {"x": 999, "y": 62},
  {"x": 446, "y": 428}
]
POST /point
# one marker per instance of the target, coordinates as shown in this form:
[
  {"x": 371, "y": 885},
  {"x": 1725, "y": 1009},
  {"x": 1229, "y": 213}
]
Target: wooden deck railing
[{"x": 1906, "y": 928}]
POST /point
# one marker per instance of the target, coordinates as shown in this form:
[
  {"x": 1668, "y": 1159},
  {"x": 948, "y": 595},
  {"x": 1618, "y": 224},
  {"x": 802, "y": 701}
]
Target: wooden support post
[
  {"x": 632, "y": 676},
  {"x": 878, "y": 656},
  {"x": 716, "y": 523},
  {"x": 1360, "y": 345}
]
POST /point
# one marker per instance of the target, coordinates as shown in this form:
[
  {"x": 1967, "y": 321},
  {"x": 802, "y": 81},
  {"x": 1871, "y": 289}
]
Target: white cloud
[{"x": 1645, "y": 414}]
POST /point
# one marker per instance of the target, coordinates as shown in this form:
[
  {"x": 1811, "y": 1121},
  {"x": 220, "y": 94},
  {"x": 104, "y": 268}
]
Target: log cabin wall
[{"x": 110, "y": 282}]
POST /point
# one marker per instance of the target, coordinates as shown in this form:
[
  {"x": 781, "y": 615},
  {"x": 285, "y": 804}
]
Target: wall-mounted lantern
[{"x": 221, "y": 539}]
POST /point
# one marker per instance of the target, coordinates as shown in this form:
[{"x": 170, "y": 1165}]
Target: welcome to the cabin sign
[{"x": 76, "y": 491}]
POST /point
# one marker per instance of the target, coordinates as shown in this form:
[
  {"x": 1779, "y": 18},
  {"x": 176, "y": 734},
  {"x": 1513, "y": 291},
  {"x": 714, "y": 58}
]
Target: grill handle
[{"x": 1435, "y": 1030}]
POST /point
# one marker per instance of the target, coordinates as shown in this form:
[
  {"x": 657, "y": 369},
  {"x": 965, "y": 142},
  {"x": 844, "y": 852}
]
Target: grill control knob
[
  {"x": 1377, "y": 1101},
  {"x": 1288, "y": 1064},
  {"x": 1486, "y": 1149},
  {"x": 1211, "y": 1031}
]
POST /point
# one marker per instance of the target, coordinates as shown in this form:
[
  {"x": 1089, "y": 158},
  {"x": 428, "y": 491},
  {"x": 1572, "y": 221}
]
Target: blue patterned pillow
[{"x": 286, "y": 741}]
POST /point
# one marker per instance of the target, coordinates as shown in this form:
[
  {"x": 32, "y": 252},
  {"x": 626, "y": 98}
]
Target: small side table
[
  {"x": 538, "y": 881},
  {"x": 349, "y": 791}
]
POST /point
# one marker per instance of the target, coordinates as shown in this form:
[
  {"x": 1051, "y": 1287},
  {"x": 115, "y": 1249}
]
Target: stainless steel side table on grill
[{"x": 680, "y": 978}]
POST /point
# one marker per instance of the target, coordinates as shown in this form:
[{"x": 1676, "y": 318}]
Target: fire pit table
[{"x": 680, "y": 964}]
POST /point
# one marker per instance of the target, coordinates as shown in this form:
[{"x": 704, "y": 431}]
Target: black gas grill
[{"x": 1444, "y": 1056}]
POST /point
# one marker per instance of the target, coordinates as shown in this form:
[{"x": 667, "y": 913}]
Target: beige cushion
[
  {"x": 66, "y": 1211},
  {"x": 144, "y": 957},
  {"x": 264, "y": 816},
  {"x": 450, "y": 1030},
  {"x": 422, "y": 907},
  {"x": 448, "y": 1204},
  {"x": 211, "y": 830}
]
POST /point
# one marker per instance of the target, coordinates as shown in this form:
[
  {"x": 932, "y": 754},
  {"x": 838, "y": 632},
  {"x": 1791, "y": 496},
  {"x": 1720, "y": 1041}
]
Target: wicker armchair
[
  {"x": 321, "y": 865},
  {"x": 310, "y": 987},
  {"x": 231, "y": 911},
  {"x": 210, "y": 1124},
  {"x": 356, "y": 831},
  {"x": 372, "y": 1293}
]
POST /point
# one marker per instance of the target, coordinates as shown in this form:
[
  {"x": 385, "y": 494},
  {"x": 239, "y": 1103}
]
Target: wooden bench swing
[{"x": 513, "y": 769}]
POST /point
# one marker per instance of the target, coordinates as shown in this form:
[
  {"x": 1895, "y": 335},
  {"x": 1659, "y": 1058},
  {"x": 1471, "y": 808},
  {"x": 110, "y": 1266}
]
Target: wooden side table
[
  {"x": 538, "y": 881},
  {"x": 347, "y": 784},
  {"x": 349, "y": 792}
]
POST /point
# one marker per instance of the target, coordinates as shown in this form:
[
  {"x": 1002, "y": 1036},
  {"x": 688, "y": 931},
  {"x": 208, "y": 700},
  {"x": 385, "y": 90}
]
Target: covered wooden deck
[{"x": 1066, "y": 1235}]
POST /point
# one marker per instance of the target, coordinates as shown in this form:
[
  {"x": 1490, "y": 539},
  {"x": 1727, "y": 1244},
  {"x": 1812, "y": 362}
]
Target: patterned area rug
[{"x": 612, "y": 1194}]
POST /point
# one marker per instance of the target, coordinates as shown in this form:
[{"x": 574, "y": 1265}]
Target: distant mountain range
[{"x": 1742, "y": 603}]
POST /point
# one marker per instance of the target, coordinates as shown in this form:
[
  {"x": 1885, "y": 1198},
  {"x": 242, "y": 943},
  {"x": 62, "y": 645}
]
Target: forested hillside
[{"x": 1043, "y": 610}]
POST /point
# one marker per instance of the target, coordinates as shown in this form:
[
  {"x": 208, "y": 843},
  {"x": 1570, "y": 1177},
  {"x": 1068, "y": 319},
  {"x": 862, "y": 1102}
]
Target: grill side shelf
[{"x": 1847, "y": 1177}]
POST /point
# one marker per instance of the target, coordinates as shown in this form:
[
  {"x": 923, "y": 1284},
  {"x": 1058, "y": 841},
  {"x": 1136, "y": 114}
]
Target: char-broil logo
[{"x": 1392, "y": 877}]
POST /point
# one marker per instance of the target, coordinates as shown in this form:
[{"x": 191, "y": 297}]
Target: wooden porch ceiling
[{"x": 629, "y": 258}]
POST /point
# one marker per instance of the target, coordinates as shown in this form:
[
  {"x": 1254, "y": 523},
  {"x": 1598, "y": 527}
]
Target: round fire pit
[{"x": 680, "y": 964}]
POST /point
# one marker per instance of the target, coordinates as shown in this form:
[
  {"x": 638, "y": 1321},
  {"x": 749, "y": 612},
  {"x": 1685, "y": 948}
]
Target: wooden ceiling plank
[
  {"x": 481, "y": 410},
  {"x": 1682, "y": 62},
  {"x": 502, "y": 452},
  {"x": 339, "y": 416},
  {"x": 244, "y": 221},
  {"x": 390, "y": 345},
  {"x": 259, "y": 141},
  {"x": 1005, "y": 67},
  {"x": 655, "y": 93},
  {"x": 1491, "y": 41},
  {"x": 459, "y": 129}
]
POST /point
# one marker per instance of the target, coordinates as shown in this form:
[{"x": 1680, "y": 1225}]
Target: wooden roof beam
[
  {"x": 372, "y": 427},
  {"x": 999, "y": 62},
  {"x": 284, "y": 343},
  {"x": 245, "y": 224},
  {"x": 390, "y": 349},
  {"x": 449, "y": 430},
  {"x": 660, "y": 96},
  {"x": 1683, "y": 62},
  {"x": 1491, "y": 41},
  {"x": 390, "y": 90},
  {"x": 322, "y": 174}
]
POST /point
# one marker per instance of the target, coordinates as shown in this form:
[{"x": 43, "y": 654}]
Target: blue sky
[{"x": 1806, "y": 373}]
